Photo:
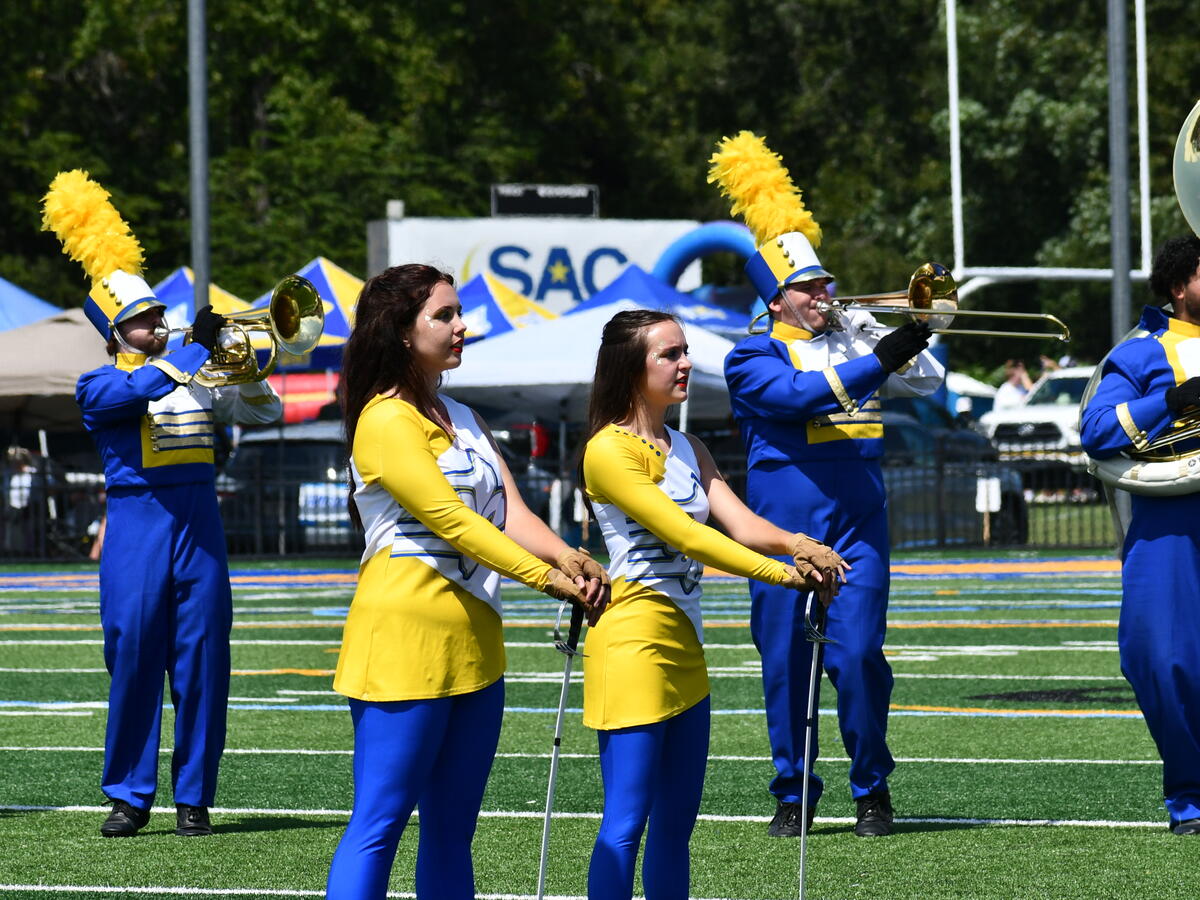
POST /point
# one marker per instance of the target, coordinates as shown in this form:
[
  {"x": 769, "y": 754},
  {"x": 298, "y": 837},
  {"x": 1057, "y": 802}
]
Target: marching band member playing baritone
[
  {"x": 805, "y": 398},
  {"x": 165, "y": 600}
]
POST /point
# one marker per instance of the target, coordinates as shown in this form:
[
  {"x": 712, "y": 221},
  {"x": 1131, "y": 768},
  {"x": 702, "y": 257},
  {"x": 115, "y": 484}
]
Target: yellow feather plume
[
  {"x": 92, "y": 232},
  {"x": 761, "y": 189}
]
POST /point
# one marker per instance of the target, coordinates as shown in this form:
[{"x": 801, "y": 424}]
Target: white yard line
[
  {"x": 703, "y": 817},
  {"x": 939, "y": 760}
]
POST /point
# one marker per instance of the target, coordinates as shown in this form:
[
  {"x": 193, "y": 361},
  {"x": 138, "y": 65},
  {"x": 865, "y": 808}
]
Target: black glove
[
  {"x": 898, "y": 347},
  {"x": 1184, "y": 395},
  {"x": 205, "y": 328}
]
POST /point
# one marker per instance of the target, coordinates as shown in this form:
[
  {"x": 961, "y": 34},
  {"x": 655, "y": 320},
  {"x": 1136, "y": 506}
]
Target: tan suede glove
[
  {"x": 560, "y": 587},
  {"x": 796, "y": 581},
  {"x": 809, "y": 555},
  {"x": 579, "y": 564},
  {"x": 826, "y": 589}
]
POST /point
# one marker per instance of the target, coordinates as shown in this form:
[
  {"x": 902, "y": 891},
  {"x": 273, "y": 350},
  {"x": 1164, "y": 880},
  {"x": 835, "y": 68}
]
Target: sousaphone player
[{"x": 1133, "y": 426}]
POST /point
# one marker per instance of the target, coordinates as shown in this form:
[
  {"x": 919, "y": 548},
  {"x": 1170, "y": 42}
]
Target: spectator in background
[
  {"x": 1016, "y": 385},
  {"x": 19, "y": 475}
]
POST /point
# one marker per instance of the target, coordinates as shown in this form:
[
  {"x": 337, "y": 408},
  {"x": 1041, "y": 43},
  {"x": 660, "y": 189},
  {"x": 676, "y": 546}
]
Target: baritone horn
[
  {"x": 294, "y": 320},
  {"x": 932, "y": 297}
]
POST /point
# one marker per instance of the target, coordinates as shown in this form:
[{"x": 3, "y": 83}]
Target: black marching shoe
[
  {"x": 787, "y": 820},
  {"x": 1187, "y": 826},
  {"x": 192, "y": 821},
  {"x": 874, "y": 815},
  {"x": 124, "y": 820}
]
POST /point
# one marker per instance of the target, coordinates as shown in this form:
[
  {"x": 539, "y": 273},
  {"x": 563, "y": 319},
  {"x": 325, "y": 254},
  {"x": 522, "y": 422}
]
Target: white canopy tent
[{"x": 546, "y": 369}]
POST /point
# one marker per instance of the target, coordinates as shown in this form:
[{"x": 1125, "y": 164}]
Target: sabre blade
[{"x": 569, "y": 647}]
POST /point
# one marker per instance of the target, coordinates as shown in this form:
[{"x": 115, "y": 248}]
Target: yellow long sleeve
[
  {"x": 397, "y": 447},
  {"x": 621, "y": 469}
]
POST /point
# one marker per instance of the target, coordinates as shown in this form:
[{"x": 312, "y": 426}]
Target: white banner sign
[{"x": 555, "y": 261}]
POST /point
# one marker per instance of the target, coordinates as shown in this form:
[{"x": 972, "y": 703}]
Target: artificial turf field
[{"x": 1023, "y": 767}]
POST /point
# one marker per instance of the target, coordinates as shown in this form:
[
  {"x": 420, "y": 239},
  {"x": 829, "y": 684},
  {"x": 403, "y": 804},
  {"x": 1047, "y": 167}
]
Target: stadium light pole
[{"x": 198, "y": 140}]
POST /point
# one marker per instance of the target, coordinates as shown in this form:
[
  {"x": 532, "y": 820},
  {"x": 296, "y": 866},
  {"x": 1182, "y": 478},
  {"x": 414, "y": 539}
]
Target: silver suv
[{"x": 1046, "y": 426}]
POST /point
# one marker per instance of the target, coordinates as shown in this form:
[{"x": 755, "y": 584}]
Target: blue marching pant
[
  {"x": 1159, "y": 637},
  {"x": 843, "y": 504},
  {"x": 165, "y": 607},
  {"x": 434, "y": 755},
  {"x": 653, "y": 772}
]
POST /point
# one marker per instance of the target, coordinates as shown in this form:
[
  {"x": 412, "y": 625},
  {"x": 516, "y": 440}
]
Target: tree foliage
[{"x": 320, "y": 111}]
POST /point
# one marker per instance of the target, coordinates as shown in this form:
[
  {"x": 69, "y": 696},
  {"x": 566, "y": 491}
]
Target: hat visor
[
  {"x": 812, "y": 273},
  {"x": 137, "y": 308}
]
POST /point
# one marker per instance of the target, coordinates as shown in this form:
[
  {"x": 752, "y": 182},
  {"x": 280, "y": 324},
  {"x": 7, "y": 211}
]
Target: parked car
[
  {"x": 937, "y": 471},
  {"x": 284, "y": 489},
  {"x": 940, "y": 480},
  {"x": 1046, "y": 426}
]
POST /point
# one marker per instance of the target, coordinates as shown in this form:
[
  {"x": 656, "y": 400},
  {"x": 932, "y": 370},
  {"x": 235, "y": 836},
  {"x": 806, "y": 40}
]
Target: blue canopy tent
[
  {"x": 339, "y": 289},
  {"x": 646, "y": 290},
  {"x": 19, "y": 307},
  {"x": 177, "y": 292},
  {"x": 491, "y": 308}
]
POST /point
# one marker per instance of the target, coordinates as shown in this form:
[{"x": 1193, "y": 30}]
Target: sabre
[
  {"x": 814, "y": 621},
  {"x": 568, "y": 648}
]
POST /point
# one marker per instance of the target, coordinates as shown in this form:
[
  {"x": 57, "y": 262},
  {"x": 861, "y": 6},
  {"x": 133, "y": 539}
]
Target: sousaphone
[{"x": 1170, "y": 464}]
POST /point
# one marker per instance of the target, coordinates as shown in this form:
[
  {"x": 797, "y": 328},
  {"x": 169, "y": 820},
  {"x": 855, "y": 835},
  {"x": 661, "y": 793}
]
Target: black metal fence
[{"x": 1031, "y": 503}]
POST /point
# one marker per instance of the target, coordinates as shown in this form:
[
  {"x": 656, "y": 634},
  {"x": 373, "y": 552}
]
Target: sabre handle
[{"x": 576, "y": 627}]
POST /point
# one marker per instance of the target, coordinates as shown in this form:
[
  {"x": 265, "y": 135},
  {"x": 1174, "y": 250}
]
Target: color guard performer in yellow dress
[
  {"x": 422, "y": 657},
  {"x": 645, "y": 682}
]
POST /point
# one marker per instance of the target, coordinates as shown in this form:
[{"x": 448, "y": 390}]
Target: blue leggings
[
  {"x": 435, "y": 754},
  {"x": 655, "y": 772}
]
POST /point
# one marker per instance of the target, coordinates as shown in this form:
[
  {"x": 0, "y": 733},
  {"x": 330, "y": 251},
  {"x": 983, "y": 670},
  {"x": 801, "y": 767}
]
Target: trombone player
[
  {"x": 1148, "y": 384},
  {"x": 165, "y": 599},
  {"x": 804, "y": 395}
]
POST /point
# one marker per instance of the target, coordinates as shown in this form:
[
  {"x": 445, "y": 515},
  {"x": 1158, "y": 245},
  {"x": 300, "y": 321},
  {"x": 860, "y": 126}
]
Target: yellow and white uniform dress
[
  {"x": 422, "y": 655},
  {"x": 645, "y": 685},
  {"x": 644, "y": 660},
  {"x": 425, "y": 619}
]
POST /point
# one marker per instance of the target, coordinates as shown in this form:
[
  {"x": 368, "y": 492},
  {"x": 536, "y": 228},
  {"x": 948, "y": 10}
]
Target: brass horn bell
[{"x": 294, "y": 320}]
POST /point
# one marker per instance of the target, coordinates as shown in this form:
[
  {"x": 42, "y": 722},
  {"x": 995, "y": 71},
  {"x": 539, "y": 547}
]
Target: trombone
[
  {"x": 932, "y": 297},
  {"x": 294, "y": 320}
]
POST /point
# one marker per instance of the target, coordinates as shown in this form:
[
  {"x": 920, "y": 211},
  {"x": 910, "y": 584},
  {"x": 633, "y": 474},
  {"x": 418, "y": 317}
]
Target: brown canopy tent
[{"x": 39, "y": 365}]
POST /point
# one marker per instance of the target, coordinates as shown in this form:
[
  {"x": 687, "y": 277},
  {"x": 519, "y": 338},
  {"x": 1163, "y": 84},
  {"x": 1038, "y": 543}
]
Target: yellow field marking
[
  {"x": 1028, "y": 566},
  {"x": 549, "y": 623},
  {"x": 1044, "y": 712},
  {"x": 284, "y": 578}
]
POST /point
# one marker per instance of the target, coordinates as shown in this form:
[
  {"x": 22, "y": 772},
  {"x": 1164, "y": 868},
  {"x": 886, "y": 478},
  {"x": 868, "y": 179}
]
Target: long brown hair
[
  {"x": 620, "y": 365},
  {"x": 375, "y": 359}
]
